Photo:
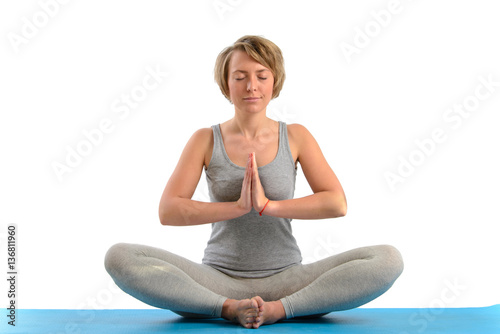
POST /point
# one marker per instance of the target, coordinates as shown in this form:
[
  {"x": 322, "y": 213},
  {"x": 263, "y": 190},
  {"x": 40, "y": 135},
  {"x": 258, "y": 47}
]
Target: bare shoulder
[
  {"x": 302, "y": 142},
  {"x": 185, "y": 177},
  {"x": 297, "y": 131},
  {"x": 298, "y": 134},
  {"x": 314, "y": 165},
  {"x": 202, "y": 141},
  {"x": 199, "y": 140},
  {"x": 299, "y": 139},
  {"x": 202, "y": 135}
]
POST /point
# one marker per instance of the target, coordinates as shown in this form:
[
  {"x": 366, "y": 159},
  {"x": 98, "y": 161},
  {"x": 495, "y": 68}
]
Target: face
[{"x": 250, "y": 83}]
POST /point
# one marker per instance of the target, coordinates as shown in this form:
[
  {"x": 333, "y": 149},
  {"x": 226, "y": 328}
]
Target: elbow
[
  {"x": 173, "y": 212},
  {"x": 337, "y": 210},
  {"x": 162, "y": 215},
  {"x": 342, "y": 209},
  {"x": 338, "y": 207},
  {"x": 165, "y": 214}
]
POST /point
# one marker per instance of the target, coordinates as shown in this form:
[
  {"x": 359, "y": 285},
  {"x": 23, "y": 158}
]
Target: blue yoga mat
[{"x": 481, "y": 320}]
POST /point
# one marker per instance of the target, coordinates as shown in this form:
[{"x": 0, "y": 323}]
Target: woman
[{"x": 251, "y": 272}]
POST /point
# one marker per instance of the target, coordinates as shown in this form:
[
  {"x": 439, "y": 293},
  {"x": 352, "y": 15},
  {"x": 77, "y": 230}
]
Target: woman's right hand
[{"x": 245, "y": 200}]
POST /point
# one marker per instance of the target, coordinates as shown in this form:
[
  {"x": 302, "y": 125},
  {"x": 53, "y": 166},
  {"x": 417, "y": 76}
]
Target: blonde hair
[{"x": 261, "y": 50}]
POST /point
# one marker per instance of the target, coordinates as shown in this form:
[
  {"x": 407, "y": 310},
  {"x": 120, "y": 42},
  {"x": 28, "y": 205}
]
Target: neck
[{"x": 250, "y": 125}]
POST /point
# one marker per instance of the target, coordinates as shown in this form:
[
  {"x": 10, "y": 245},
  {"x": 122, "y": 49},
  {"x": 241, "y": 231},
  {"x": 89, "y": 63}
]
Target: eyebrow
[{"x": 262, "y": 70}]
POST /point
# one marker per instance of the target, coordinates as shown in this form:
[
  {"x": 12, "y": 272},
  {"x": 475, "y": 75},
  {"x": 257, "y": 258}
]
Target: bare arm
[
  {"x": 176, "y": 206},
  {"x": 328, "y": 199}
]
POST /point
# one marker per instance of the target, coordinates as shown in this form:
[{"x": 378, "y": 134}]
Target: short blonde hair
[{"x": 261, "y": 50}]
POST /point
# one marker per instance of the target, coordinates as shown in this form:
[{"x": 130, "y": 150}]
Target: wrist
[
  {"x": 240, "y": 210},
  {"x": 268, "y": 208}
]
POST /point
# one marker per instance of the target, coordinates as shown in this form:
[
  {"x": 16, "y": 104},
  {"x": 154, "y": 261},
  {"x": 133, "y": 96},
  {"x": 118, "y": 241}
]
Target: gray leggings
[{"x": 340, "y": 282}]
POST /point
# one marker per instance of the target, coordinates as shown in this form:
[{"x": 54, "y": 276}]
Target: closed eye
[{"x": 239, "y": 79}]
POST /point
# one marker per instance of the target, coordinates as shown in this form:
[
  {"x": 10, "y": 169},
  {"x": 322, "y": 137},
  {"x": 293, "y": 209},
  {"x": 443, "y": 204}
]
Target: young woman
[{"x": 251, "y": 272}]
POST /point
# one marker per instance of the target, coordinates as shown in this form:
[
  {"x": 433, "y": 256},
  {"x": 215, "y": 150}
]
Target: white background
[{"x": 366, "y": 111}]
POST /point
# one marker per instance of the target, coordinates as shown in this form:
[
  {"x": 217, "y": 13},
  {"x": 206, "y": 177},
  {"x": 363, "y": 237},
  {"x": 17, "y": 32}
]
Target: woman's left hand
[{"x": 259, "y": 198}]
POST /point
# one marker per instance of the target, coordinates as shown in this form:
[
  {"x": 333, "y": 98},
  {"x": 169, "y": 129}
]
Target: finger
[
  {"x": 248, "y": 182},
  {"x": 248, "y": 169},
  {"x": 249, "y": 162},
  {"x": 255, "y": 169}
]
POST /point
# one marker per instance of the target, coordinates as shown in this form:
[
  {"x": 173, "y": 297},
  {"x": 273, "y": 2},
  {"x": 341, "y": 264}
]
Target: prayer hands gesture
[{"x": 252, "y": 192}]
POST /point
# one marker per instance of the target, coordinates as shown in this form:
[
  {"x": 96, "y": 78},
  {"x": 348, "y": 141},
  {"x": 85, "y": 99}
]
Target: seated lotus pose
[{"x": 251, "y": 272}]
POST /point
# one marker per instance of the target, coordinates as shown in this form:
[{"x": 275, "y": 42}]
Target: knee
[
  {"x": 391, "y": 261},
  {"x": 115, "y": 257}
]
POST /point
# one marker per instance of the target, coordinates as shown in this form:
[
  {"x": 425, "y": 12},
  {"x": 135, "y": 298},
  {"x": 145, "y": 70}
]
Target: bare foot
[
  {"x": 269, "y": 312},
  {"x": 242, "y": 312}
]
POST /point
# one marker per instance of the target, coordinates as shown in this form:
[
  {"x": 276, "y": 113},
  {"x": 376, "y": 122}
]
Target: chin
[{"x": 255, "y": 109}]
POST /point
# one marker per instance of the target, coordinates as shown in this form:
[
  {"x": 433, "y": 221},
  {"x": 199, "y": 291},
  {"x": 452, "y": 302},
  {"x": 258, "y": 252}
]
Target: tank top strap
[
  {"x": 218, "y": 149},
  {"x": 284, "y": 145}
]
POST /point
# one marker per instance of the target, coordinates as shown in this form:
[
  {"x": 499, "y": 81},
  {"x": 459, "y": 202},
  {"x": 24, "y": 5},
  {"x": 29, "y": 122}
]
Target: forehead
[{"x": 241, "y": 61}]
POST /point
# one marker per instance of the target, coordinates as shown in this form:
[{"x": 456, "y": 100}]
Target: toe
[{"x": 255, "y": 302}]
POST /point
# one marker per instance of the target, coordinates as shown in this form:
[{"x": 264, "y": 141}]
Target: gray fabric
[
  {"x": 165, "y": 280},
  {"x": 251, "y": 246}
]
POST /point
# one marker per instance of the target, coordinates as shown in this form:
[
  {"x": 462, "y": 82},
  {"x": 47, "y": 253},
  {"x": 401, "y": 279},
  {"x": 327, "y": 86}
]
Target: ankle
[
  {"x": 227, "y": 309},
  {"x": 279, "y": 310}
]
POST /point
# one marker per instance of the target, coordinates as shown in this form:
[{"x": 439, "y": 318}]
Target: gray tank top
[{"x": 251, "y": 246}]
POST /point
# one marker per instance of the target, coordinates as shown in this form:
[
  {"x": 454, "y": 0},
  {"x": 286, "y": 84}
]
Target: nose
[{"x": 252, "y": 84}]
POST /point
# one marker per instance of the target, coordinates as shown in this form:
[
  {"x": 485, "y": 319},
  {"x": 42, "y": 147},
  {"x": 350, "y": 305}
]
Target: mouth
[{"x": 251, "y": 99}]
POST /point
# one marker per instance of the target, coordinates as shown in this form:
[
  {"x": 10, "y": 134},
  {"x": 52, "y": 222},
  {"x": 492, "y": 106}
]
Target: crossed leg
[
  {"x": 344, "y": 281},
  {"x": 165, "y": 280}
]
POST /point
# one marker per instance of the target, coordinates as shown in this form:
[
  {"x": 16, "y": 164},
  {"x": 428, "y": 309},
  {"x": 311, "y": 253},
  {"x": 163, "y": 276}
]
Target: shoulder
[
  {"x": 199, "y": 141},
  {"x": 300, "y": 140},
  {"x": 202, "y": 142},
  {"x": 202, "y": 135},
  {"x": 296, "y": 129},
  {"x": 298, "y": 133}
]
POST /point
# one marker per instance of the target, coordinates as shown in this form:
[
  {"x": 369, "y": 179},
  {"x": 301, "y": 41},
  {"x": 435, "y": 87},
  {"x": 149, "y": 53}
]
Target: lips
[{"x": 251, "y": 98}]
